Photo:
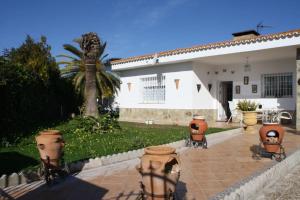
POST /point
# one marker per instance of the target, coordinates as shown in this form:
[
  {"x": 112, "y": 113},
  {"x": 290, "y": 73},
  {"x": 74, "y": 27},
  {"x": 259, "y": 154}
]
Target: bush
[
  {"x": 104, "y": 124},
  {"x": 26, "y": 103},
  {"x": 245, "y": 105}
]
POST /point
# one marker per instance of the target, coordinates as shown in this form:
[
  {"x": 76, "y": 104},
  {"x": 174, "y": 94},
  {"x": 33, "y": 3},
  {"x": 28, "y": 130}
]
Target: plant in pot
[{"x": 248, "y": 109}]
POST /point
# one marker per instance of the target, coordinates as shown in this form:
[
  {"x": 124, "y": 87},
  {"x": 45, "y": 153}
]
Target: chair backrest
[{"x": 231, "y": 106}]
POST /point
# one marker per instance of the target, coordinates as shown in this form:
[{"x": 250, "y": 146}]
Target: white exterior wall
[
  {"x": 192, "y": 68},
  {"x": 175, "y": 99},
  {"x": 205, "y": 99},
  {"x": 190, "y": 74},
  {"x": 277, "y": 66}
]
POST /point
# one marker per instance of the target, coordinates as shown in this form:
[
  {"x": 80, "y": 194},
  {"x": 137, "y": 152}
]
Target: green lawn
[{"x": 81, "y": 145}]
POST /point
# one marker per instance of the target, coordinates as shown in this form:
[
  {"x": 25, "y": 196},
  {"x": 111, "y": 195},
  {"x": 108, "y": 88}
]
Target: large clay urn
[
  {"x": 50, "y": 144},
  {"x": 159, "y": 168},
  {"x": 198, "y": 126},
  {"x": 250, "y": 119},
  {"x": 271, "y": 135}
]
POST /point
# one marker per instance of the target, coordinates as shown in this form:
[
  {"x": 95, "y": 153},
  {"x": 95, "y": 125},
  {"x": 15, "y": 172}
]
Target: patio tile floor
[{"x": 205, "y": 172}]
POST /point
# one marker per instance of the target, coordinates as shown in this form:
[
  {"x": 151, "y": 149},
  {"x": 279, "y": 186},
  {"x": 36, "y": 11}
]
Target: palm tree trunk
[{"x": 90, "y": 91}]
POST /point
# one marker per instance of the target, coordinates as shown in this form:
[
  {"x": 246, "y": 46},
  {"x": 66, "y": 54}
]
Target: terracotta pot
[
  {"x": 250, "y": 119},
  {"x": 271, "y": 134},
  {"x": 50, "y": 144},
  {"x": 197, "y": 137},
  {"x": 198, "y": 126},
  {"x": 159, "y": 168}
]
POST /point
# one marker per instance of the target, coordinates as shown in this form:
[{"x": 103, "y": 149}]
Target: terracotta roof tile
[{"x": 216, "y": 45}]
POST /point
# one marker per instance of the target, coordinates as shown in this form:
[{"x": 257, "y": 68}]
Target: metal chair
[{"x": 234, "y": 112}]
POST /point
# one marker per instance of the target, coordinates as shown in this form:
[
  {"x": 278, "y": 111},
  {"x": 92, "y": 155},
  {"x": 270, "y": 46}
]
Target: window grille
[
  {"x": 277, "y": 85},
  {"x": 153, "y": 89}
]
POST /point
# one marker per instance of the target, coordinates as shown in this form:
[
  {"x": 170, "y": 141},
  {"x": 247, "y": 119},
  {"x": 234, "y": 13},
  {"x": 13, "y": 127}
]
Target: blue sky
[{"x": 136, "y": 27}]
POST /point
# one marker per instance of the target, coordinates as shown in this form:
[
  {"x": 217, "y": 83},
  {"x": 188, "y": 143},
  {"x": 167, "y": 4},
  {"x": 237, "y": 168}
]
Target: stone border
[
  {"x": 27, "y": 177},
  {"x": 251, "y": 186}
]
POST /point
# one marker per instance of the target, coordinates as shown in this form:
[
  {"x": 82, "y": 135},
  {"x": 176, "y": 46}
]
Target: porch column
[{"x": 298, "y": 89}]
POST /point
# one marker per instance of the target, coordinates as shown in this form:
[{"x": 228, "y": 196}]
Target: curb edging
[
  {"x": 249, "y": 187},
  {"x": 92, "y": 163}
]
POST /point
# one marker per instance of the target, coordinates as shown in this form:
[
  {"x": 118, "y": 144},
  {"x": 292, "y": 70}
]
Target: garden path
[{"x": 205, "y": 173}]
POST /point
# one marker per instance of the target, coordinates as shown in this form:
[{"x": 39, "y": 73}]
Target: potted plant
[{"x": 248, "y": 109}]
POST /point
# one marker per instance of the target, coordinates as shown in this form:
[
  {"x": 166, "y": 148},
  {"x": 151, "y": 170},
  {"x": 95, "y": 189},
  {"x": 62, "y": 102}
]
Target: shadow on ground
[
  {"x": 70, "y": 188},
  {"x": 293, "y": 131},
  {"x": 14, "y": 162},
  {"x": 181, "y": 190},
  {"x": 259, "y": 152},
  {"x": 180, "y": 193}
]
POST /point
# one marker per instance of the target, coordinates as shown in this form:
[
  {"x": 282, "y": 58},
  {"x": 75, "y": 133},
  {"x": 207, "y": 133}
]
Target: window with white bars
[
  {"x": 277, "y": 85},
  {"x": 153, "y": 89}
]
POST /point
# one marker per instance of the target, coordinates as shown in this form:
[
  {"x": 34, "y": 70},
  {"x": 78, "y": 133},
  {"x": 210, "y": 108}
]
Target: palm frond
[
  {"x": 71, "y": 65},
  {"x": 100, "y": 86},
  {"x": 114, "y": 79},
  {"x": 73, "y": 50},
  {"x": 103, "y": 57},
  {"x": 70, "y": 69},
  {"x": 102, "y": 49},
  {"x": 64, "y": 62},
  {"x": 78, "y": 80},
  {"x": 77, "y": 40},
  {"x": 66, "y": 56},
  {"x": 108, "y": 82}
]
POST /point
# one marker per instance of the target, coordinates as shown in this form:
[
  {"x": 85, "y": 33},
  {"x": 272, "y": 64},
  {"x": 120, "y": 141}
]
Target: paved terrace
[{"x": 205, "y": 173}]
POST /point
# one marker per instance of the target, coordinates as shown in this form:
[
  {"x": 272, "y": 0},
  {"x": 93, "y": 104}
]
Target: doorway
[{"x": 225, "y": 95}]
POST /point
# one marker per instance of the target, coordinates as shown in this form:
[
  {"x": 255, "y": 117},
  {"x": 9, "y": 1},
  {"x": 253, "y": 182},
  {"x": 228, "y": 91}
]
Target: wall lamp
[
  {"x": 129, "y": 86},
  {"x": 209, "y": 86},
  {"x": 198, "y": 87},
  {"x": 177, "y": 83}
]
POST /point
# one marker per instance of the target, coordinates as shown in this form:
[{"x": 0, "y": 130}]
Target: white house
[{"x": 170, "y": 86}]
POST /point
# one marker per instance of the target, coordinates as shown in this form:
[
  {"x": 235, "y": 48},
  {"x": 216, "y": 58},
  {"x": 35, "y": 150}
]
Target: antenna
[{"x": 260, "y": 26}]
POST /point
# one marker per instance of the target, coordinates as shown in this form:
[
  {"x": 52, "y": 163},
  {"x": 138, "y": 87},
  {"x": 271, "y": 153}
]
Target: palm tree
[{"x": 107, "y": 83}]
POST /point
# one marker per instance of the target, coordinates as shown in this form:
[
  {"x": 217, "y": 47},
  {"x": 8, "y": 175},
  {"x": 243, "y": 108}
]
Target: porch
[{"x": 267, "y": 77}]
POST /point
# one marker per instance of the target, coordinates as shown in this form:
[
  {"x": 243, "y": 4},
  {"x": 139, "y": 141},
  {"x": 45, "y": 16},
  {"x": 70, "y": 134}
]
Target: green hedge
[
  {"x": 27, "y": 102},
  {"x": 32, "y": 93}
]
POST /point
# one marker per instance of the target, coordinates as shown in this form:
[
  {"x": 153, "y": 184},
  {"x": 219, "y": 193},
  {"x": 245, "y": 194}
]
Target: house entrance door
[{"x": 224, "y": 95}]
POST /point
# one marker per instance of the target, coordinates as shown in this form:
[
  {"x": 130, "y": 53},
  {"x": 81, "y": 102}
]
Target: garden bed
[{"x": 82, "y": 145}]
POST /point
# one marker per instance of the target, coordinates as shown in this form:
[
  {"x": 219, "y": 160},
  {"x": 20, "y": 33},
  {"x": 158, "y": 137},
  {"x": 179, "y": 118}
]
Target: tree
[
  {"x": 32, "y": 93},
  {"x": 35, "y": 56},
  {"x": 90, "y": 81}
]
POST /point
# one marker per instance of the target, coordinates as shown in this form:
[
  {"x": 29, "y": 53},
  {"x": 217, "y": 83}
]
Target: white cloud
[{"x": 150, "y": 17}]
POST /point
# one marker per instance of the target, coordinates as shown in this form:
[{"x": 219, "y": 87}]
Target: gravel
[{"x": 286, "y": 188}]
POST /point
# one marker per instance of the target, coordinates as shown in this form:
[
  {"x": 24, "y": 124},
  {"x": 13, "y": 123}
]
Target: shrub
[
  {"x": 32, "y": 93},
  {"x": 104, "y": 124},
  {"x": 245, "y": 105}
]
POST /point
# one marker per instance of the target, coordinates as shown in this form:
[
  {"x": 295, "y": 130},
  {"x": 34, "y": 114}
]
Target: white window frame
[
  {"x": 153, "y": 89},
  {"x": 277, "y": 85}
]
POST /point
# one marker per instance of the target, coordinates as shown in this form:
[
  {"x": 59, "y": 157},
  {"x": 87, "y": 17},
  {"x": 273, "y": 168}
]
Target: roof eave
[{"x": 182, "y": 55}]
